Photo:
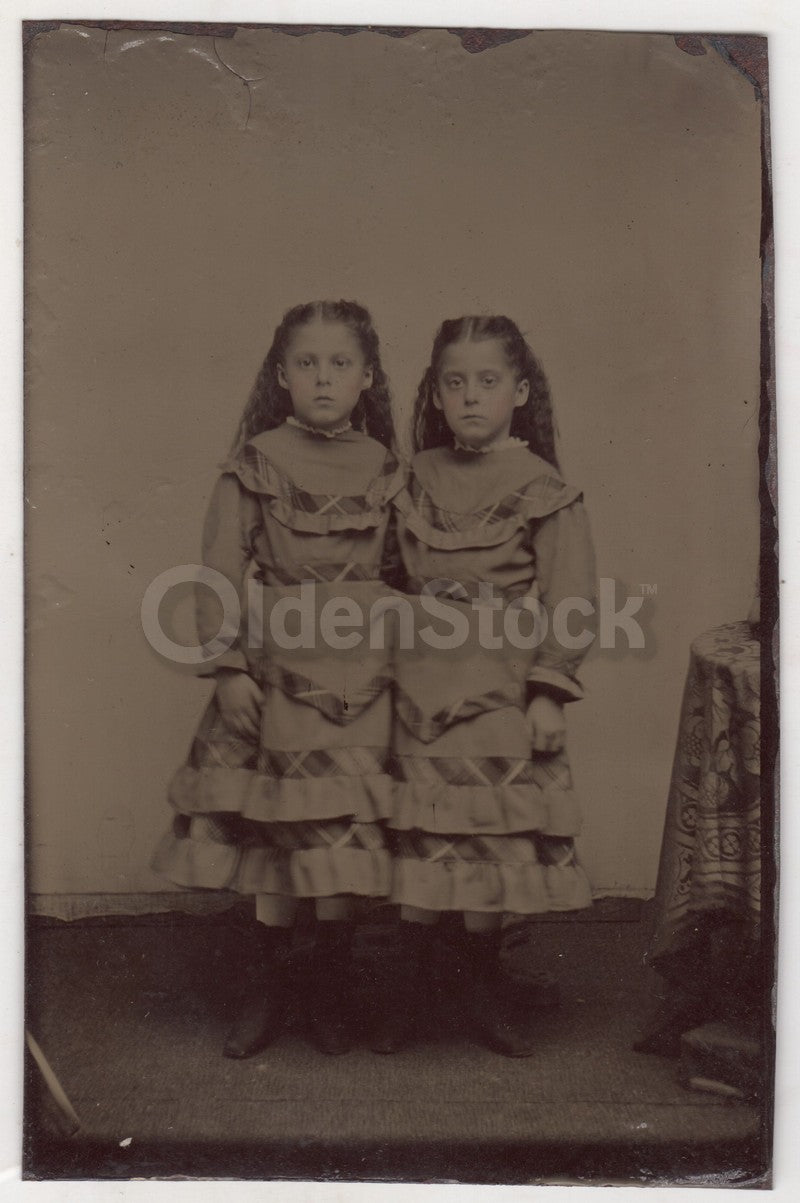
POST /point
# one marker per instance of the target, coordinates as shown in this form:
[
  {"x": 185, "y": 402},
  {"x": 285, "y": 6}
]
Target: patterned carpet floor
[{"x": 132, "y": 1015}]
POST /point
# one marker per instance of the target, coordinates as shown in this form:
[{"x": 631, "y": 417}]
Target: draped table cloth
[{"x": 709, "y": 878}]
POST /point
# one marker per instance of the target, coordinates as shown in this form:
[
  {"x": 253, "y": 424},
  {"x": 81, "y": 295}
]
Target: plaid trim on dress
[
  {"x": 492, "y": 771},
  {"x": 338, "y": 709},
  {"x": 330, "y": 762},
  {"x": 260, "y": 475},
  {"x": 416, "y": 585},
  {"x": 490, "y": 523},
  {"x": 541, "y": 493},
  {"x": 217, "y": 746},
  {"x": 248, "y": 833},
  {"x": 533, "y": 847},
  {"x": 427, "y": 728}
]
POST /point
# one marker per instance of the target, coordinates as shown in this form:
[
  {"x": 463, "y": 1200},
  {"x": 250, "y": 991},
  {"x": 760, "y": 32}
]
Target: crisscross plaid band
[
  {"x": 292, "y": 836},
  {"x": 427, "y": 728},
  {"x": 541, "y": 495},
  {"x": 265, "y": 474},
  {"x": 490, "y": 771},
  {"x": 330, "y": 762}
]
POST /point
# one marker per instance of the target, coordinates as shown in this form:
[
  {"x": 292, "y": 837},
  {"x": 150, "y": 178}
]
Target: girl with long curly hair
[
  {"x": 286, "y": 788},
  {"x": 485, "y": 815}
]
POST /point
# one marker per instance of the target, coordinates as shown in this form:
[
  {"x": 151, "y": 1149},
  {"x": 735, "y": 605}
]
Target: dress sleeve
[
  {"x": 565, "y": 568},
  {"x": 232, "y": 517}
]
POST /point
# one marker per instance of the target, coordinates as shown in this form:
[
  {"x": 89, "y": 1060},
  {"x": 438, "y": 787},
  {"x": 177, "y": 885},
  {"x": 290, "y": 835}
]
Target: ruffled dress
[
  {"x": 300, "y": 812},
  {"x": 480, "y": 821}
]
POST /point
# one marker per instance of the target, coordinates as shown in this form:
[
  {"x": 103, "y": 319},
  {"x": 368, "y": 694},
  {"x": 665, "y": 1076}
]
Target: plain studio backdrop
[{"x": 604, "y": 190}]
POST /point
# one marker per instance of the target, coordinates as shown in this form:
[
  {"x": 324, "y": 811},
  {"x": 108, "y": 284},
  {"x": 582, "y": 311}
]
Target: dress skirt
[
  {"x": 301, "y": 812},
  {"x": 481, "y": 823}
]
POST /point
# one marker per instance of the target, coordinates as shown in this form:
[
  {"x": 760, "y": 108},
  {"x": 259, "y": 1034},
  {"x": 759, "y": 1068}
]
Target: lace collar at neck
[
  {"x": 332, "y": 433},
  {"x": 504, "y": 445}
]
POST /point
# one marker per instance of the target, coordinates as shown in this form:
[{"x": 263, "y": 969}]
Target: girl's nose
[
  {"x": 470, "y": 393},
  {"x": 323, "y": 373}
]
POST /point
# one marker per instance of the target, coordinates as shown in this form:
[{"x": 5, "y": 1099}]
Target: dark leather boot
[
  {"x": 262, "y": 1009},
  {"x": 330, "y": 1019},
  {"x": 503, "y": 1018},
  {"x": 401, "y": 991}
]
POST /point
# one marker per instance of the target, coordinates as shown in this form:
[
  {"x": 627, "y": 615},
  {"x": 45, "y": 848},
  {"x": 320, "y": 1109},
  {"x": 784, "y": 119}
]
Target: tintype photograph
[{"x": 401, "y": 604}]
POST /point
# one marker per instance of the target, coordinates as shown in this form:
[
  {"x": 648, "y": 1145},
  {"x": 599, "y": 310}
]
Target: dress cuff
[
  {"x": 229, "y": 659},
  {"x": 555, "y": 684}
]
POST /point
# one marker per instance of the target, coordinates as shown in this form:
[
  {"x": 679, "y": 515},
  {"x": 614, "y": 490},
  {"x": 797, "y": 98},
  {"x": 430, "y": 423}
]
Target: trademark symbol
[{"x": 648, "y": 590}]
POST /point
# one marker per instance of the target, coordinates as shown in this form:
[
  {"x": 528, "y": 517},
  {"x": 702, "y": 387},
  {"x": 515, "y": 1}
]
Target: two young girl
[{"x": 435, "y": 774}]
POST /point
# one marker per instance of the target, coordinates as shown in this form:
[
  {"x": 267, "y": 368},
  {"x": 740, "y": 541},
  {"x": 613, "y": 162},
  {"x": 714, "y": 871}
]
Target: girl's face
[
  {"x": 325, "y": 372},
  {"x": 477, "y": 391}
]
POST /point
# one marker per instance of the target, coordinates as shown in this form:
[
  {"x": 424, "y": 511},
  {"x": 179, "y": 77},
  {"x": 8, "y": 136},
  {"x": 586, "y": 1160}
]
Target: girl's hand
[
  {"x": 240, "y": 700},
  {"x": 546, "y": 724}
]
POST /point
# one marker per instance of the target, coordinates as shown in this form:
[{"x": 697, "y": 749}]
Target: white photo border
[{"x": 779, "y": 21}]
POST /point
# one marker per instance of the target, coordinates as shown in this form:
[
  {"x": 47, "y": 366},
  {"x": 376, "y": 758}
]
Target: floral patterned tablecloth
[{"x": 710, "y": 868}]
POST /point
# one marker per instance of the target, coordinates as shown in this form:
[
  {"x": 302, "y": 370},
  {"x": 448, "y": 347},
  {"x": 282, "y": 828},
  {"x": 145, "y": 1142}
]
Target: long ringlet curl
[
  {"x": 532, "y": 422},
  {"x": 269, "y": 403}
]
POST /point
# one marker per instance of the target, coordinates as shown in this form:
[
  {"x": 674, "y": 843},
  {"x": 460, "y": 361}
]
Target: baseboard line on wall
[
  {"x": 607, "y": 906},
  {"x": 91, "y": 906}
]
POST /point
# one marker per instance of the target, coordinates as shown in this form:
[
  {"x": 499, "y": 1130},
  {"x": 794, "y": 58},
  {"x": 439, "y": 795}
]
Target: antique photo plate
[{"x": 185, "y": 184}]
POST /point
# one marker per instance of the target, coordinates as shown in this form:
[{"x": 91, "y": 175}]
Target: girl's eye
[
  {"x": 305, "y": 361},
  {"x": 489, "y": 380},
  {"x": 453, "y": 382},
  {"x": 342, "y": 363}
]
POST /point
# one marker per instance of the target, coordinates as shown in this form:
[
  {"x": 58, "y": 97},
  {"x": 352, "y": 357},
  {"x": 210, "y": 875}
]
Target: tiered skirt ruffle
[{"x": 305, "y": 824}]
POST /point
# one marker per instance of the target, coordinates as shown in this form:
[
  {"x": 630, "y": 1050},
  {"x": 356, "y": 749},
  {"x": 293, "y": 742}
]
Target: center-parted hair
[
  {"x": 270, "y": 404},
  {"x": 532, "y": 421}
]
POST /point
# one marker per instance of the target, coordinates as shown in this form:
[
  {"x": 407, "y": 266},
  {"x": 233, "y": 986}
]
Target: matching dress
[
  {"x": 420, "y": 727},
  {"x": 481, "y": 823},
  {"x": 301, "y": 812}
]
